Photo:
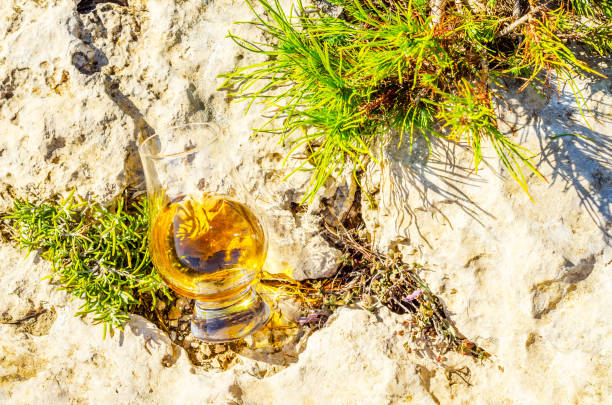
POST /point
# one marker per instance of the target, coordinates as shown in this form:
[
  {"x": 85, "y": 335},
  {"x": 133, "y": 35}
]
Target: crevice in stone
[
  {"x": 425, "y": 375},
  {"x": 88, "y": 59},
  {"x": 548, "y": 294},
  {"x": 87, "y": 6},
  {"x": 578, "y": 272},
  {"x": 37, "y": 323},
  {"x": 54, "y": 144}
]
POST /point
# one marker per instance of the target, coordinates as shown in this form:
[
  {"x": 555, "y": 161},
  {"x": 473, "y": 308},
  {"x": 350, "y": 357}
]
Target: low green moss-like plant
[
  {"x": 423, "y": 68},
  {"x": 99, "y": 254}
]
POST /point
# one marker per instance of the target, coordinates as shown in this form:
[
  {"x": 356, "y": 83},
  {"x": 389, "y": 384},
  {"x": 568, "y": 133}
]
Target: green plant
[
  {"x": 98, "y": 254},
  {"x": 422, "y": 68}
]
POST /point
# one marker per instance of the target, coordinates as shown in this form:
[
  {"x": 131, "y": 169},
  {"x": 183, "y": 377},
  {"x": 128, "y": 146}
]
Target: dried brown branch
[
  {"x": 524, "y": 19},
  {"x": 437, "y": 7}
]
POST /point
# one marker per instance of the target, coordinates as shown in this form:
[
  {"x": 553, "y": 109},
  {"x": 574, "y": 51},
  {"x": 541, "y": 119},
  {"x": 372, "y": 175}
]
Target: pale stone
[
  {"x": 70, "y": 362},
  {"x": 77, "y": 103},
  {"x": 526, "y": 280},
  {"x": 354, "y": 360},
  {"x": 529, "y": 282}
]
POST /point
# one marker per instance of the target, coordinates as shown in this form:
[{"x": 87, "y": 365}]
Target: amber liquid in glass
[{"x": 208, "y": 248}]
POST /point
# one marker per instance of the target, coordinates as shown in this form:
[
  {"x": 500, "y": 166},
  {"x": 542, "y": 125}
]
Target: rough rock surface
[
  {"x": 49, "y": 356},
  {"x": 79, "y": 92},
  {"x": 527, "y": 281}
]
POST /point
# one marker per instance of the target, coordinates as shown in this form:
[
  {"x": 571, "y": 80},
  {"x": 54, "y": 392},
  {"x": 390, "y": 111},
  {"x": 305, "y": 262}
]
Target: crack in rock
[
  {"x": 548, "y": 294},
  {"x": 87, "y": 6}
]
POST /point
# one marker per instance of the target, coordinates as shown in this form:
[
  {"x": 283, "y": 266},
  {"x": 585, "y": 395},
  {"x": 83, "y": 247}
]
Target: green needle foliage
[
  {"x": 99, "y": 255},
  {"x": 405, "y": 67}
]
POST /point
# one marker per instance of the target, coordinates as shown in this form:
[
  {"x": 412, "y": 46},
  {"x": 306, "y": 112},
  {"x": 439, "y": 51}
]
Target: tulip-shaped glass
[{"x": 205, "y": 242}]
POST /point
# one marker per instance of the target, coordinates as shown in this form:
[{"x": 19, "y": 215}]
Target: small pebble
[
  {"x": 173, "y": 335},
  {"x": 182, "y": 303},
  {"x": 173, "y": 323},
  {"x": 185, "y": 318},
  {"x": 183, "y": 326},
  {"x": 194, "y": 344},
  {"x": 220, "y": 348},
  {"x": 174, "y": 313},
  {"x": 161, "y": 305},
  {"x": 180, "y": 337},
  {"x": 205, "y": 350}
]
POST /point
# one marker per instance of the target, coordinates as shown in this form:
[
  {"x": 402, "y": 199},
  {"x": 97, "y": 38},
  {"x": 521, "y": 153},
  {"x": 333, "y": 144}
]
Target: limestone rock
[
  {"x": 68, "y": 361},
  {"x": 358, "y": 346},
  {"x": 74, "y": 106},
  {"x": 65, "y": 359},
  {"x": 526, "y": 280}
]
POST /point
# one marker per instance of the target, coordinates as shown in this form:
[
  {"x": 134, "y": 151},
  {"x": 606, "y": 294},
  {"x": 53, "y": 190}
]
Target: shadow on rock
[
  {"x": 87, "y": 6},
  {"x": 418, "y": 178},
  {"x": 574, "y": 143},
  {"x": 142, "y": 130}
]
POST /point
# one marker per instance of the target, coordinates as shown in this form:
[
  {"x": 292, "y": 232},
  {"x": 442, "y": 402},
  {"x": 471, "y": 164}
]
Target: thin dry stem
[
  {"x": 437, "y": 6},
  {"x": 524, "y": 19}
]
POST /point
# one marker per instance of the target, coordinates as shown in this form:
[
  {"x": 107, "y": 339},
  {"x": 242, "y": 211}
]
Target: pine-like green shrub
[{"x": 422, "y": 68}]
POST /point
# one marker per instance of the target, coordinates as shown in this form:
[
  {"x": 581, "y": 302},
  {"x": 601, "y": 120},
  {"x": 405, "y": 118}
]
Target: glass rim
[{"x": 195, "y": 148}]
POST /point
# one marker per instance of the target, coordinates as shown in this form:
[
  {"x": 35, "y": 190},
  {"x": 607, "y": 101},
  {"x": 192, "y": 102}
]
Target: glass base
[{"x": 244, "y": 315}]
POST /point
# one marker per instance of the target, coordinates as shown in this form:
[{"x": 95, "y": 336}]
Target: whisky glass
[{"x": 205, "y": 242}]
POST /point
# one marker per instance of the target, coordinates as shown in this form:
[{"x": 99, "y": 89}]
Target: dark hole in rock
[
  {"x": 86, "y": 6},
  {"x": 89, "y": 61},
  {"x": 55, "y": 144}
]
